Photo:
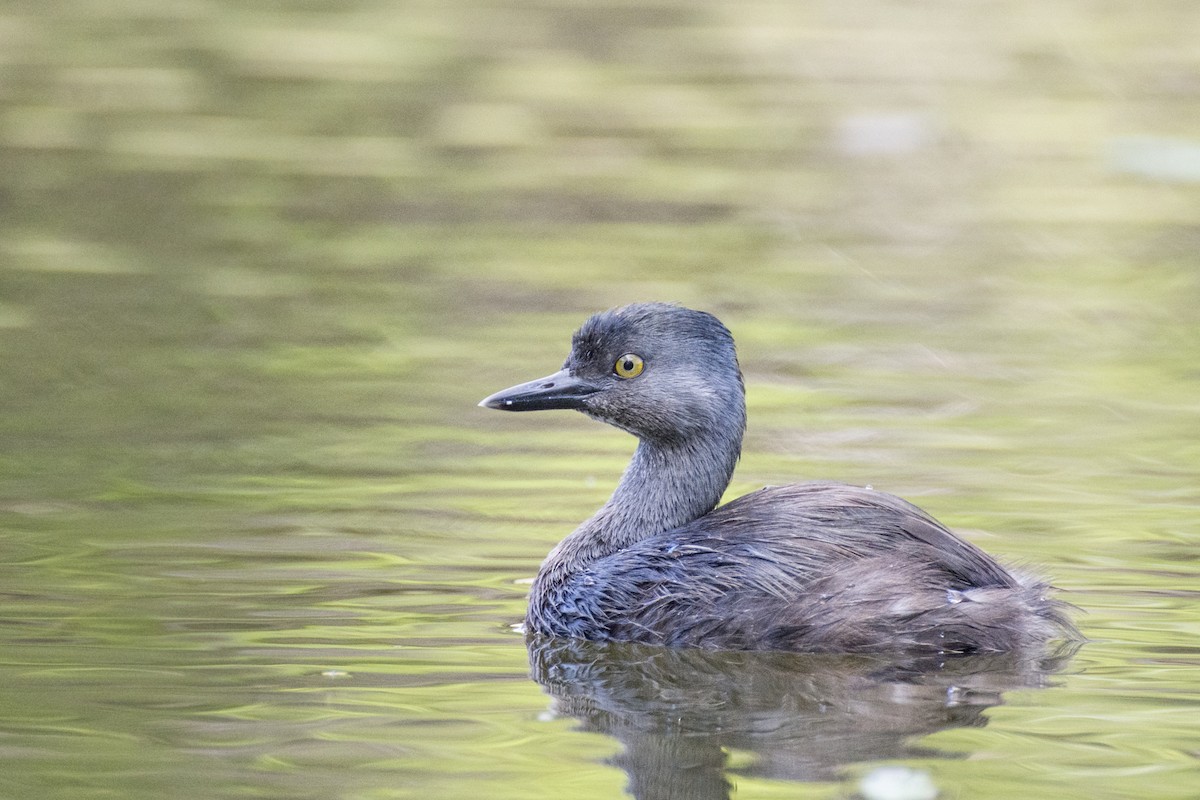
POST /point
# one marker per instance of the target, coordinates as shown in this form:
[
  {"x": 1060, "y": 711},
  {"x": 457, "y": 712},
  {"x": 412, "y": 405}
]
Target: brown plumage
[{"x": 812, "y": 566}]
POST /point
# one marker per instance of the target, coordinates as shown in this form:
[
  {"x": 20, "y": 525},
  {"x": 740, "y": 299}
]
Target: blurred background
[{"x": 258, "y": 262}]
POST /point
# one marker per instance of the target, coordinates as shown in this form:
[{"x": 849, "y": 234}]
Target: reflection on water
[
  {"x": 679, "y": 714},
  {"x": 259, "y": 261}
]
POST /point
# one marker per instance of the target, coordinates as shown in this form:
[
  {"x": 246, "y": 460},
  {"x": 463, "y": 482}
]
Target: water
[{"x": 259, "y": 264}]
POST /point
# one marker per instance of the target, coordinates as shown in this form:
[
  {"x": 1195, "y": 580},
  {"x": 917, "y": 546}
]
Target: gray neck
[{"x": 665, "y": 486}]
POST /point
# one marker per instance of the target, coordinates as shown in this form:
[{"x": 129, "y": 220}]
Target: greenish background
[{"x": 259, "y": 261}]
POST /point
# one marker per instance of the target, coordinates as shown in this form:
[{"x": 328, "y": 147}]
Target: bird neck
[{"x": 666, "y": 485}]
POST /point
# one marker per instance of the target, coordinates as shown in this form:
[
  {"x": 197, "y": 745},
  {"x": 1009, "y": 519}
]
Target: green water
[{"x": 260, "y": 261}]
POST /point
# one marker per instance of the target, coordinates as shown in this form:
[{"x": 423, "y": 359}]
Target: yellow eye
[{"x": 629, "y": 366}]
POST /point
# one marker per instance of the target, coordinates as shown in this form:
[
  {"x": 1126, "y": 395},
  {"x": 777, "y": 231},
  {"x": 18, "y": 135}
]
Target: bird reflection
[{"x": 679, "y": 714}]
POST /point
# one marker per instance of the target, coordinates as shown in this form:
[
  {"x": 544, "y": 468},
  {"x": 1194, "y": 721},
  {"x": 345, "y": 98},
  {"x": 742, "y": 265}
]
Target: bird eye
[{"x": 629, "y": 366}]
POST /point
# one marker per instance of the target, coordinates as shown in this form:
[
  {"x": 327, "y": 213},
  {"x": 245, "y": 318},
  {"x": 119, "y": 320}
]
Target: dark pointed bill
[{"x": 560, "y": 390}]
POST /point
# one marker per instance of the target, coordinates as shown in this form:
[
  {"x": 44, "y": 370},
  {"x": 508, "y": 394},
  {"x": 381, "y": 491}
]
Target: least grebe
[{"x": 822, "y": 567}]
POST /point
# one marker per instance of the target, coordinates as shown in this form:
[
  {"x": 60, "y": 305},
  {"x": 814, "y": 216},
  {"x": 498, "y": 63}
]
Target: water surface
[{"x": 259, "y": 264}]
